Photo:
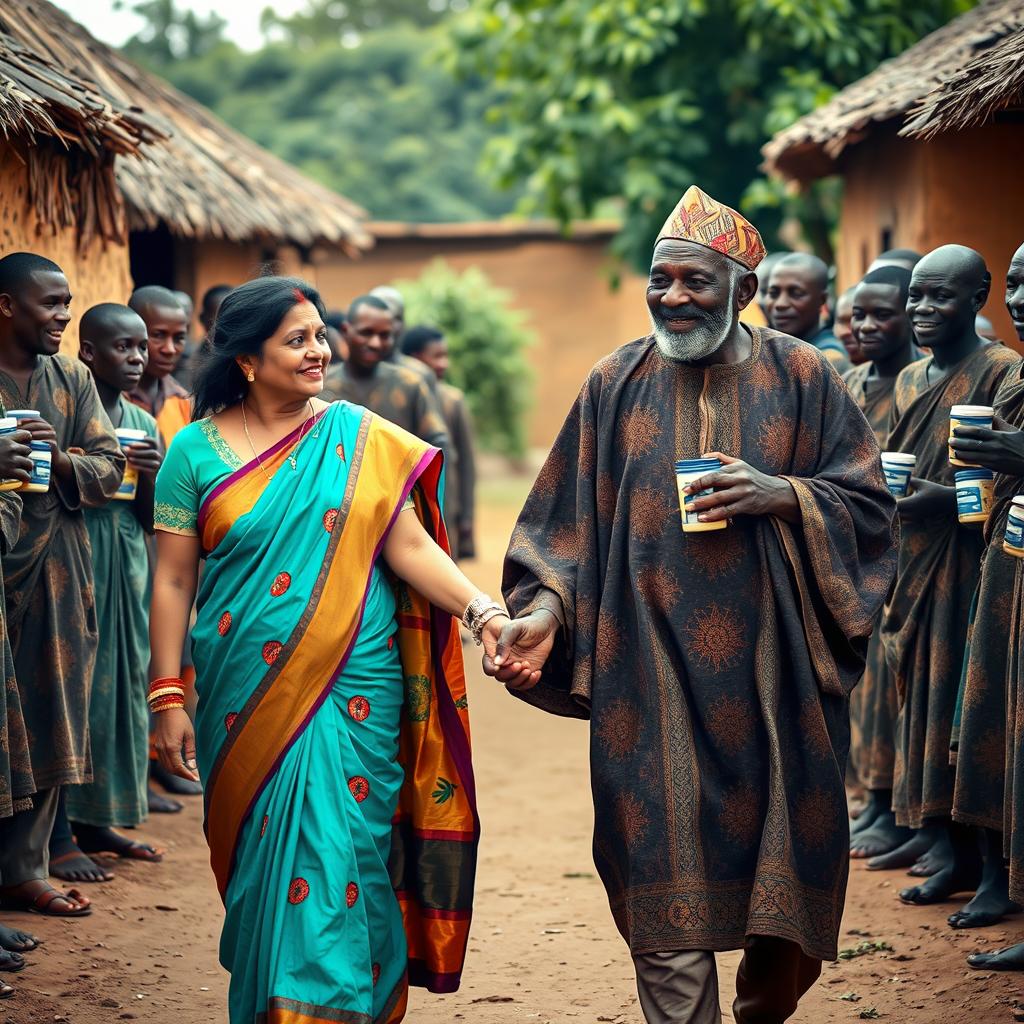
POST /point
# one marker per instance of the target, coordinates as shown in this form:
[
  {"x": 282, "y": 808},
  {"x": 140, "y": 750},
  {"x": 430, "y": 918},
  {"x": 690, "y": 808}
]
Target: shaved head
[
  {"x": 947, "y": 291},
  {"x": 955, "y": 262},
  {"x": 107, "y": 320},
  {"x": 152, "y": 296},
  {"x": 807, "y": 263}
]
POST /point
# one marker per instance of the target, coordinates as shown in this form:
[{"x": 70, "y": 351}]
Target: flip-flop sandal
[
  {"x": 991, "y": 962},
  {"x": 43, "y": 903},
  {"x": 11, "y": 962}
]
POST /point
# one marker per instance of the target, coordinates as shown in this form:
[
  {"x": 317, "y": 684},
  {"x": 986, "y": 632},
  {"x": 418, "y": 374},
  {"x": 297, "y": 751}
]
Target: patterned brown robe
[
  {"x": 48, "y": 577},
  {"x": 16, "y": 783},
  {"x": 924, "y": 628},
  {"x": 1013, "y": 808},
  {"x": 982, "y": 752},
  {"x": 714, "y": 667},
  {"x": 460, "y": 470},
  {"x": 873, "y": 704}
]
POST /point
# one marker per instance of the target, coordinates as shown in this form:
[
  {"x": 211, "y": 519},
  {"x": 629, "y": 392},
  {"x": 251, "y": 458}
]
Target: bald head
[
  {"x": 108, "y": 319},
  {"x": 114, "y": 344},
  {"x": 797, "y": 290},
  {"x": 1015, "y": 292},
  {"x": 947, "y": 290}
]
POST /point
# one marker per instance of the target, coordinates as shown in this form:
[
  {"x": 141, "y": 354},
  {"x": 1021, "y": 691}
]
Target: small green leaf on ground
[
  {"x": 850, "y": 997},
  {"x": 863, "y": 948}
]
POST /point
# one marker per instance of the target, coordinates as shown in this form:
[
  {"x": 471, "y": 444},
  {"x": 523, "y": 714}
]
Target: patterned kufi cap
[{"x": 701, "y": 219}]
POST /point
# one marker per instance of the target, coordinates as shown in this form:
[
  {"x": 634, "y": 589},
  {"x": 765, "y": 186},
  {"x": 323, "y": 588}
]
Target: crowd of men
[
  {"x": 935, "y": 725},
  {"x": 77, "y": 774}
]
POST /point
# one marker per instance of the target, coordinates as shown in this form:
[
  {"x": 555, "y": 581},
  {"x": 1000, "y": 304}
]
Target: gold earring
[{"x": 250, "y": 376}]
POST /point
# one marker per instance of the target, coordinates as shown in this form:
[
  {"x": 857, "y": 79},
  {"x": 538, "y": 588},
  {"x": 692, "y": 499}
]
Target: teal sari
[{"x": 331, "y": 729}]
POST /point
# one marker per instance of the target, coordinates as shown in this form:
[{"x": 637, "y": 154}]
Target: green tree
[
  {"x": 337, "y": 19},
  {"x": 378, "y": 117},
  {"x": 488, "y": 340},
  {"x": 633, "y": 101},
  {"x": 172, "y": 34}
]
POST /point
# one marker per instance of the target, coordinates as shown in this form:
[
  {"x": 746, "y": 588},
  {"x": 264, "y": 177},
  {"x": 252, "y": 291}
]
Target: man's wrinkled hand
[
  {"x": 522, "y": 648},
  {"x": 15, "y": 460},
  {"x": 742, "y": 490}
]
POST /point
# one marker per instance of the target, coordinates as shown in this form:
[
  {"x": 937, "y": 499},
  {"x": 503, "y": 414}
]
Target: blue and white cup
[
  {"x": 898, "y": 468},
  {"x": 688, "y": 470},
  {"x": 968, "y": 416},
  {"x": 975, "y": 494},
  {"x": 42, "y": 458},
  {"x": 1013, "y": 540}
]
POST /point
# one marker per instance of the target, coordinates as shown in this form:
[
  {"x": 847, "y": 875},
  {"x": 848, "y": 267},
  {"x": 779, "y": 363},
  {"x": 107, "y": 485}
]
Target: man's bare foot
[
  {"x": 872, "y": 809},
  {"x": 17, "y": 941},
  {"x": 904, "y": 856},
  {"x": 883, "y": 837},
  {"x": 938, "y": 856},
  {"x": 1009, "y": 959},
  {"x": 69, "y": 864},
  {"x": 159, "y": 804}
]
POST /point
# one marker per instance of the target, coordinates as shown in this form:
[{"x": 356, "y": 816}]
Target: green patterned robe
[
  {"x": 118, "y": 713},
  {"x": 51, "y": 609}
]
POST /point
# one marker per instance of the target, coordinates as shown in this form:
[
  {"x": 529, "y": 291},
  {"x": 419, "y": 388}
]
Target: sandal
[{"x": 42, "y": 903}]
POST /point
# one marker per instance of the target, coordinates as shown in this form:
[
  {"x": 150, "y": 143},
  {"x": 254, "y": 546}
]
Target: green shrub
[{"x": 487, "y": 339}]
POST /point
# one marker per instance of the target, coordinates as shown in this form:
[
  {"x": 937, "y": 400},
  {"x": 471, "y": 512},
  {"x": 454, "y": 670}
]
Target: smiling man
[
  {"x": 925, "y": 625},
  {"x": 714, "y": 666},
  {"x": 366, "y": 378},
  {"x": 158, "y": 392},
  {"x": 51, "y": 614}
]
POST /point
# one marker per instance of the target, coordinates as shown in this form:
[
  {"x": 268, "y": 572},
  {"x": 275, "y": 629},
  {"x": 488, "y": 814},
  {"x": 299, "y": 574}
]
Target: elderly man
[{"x": 714, "y": 666}]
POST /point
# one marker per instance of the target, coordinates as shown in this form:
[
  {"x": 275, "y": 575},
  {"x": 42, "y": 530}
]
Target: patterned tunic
[
  {"x": 714, "y": 667},
  {"x": 924, "y": 628},
  {"x": 987, "y": 748},
  {"x": 51, "y": 612}
]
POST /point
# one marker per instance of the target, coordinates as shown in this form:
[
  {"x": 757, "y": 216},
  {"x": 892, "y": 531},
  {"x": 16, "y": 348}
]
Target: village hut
[
  {"x": 123, "y": 180},
  {"x": 929, "y": 147}
]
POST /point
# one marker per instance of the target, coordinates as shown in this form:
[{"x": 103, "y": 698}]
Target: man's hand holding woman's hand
[{"x": 515, "y": 653}]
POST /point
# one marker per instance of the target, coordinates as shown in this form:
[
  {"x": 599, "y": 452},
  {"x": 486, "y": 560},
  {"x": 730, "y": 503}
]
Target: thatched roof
[
  {"x": 191, "y": 172},
  {"x": 919, "y": 80}
]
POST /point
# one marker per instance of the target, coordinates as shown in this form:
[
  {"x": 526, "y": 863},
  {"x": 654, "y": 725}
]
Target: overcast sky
[{"x": 114, "y": 26}]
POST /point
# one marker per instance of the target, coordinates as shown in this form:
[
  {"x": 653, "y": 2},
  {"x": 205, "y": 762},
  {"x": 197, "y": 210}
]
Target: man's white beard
[{"x": 705, "y": 338}]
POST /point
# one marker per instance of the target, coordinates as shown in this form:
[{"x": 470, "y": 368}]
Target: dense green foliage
[
  {"x": 640, "y": 98},
  {"x": 370, "y": 112},
  {"x": 487, "y": 339}
]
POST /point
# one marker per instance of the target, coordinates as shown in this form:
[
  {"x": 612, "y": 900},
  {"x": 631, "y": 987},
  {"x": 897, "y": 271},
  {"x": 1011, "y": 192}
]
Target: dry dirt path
[{"x": 543, "y": 946}]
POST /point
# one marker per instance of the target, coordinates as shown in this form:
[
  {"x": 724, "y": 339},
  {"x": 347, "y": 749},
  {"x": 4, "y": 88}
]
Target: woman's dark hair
[{"x": 248, "y": 316}]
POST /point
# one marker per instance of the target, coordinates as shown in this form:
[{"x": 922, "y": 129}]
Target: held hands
[
  {"x": 927, "y": 500},
  {"x": 40, "y": 430},
  {"x": 145, "y": 456},
  {"x": 174, "y": 735},
  {"x": 742, "y": 490},
  {"x": 15, "y": 463},
  {"x": 1001, "y": 449},
  {"x": 521, "y": 649}
]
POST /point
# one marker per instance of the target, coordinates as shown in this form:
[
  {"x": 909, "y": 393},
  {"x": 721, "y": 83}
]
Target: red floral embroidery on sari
[
  {"x": 359, "y": 708},
  {"x": 225, "y": 624},
  {"x": 271, "y": 649},
  {"x": 359, "y": 788},
  {"x": 330, "y": 518},
  {"x": 298, "y": 891},
  {"x": 351, "y": 894},
  {"x": 263, "y": 827},
  {"x": 281, "y": 583},
  {"x": 391, "y": 643},
  {"x": 230, "y": 719}
]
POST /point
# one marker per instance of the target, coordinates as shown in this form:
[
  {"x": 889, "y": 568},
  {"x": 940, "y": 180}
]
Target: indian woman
[{"x": 331, "y": 733}]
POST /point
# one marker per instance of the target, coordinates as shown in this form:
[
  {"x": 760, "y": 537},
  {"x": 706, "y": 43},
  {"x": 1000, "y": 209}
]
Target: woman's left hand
[
  {"x": 524, "y": 676},
  {"x": 1001, "y": 449}
]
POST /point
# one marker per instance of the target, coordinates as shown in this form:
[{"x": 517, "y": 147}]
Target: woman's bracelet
[
  {"x": 479, "y": 612},
  {"x": 166, "y": 693}
]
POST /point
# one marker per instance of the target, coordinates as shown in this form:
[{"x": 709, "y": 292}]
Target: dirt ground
[{"x": 543, "y": 946}]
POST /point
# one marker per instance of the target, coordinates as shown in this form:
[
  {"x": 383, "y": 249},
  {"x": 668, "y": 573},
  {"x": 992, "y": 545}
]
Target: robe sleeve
[
  {"x": 546, "y": 552},
  {"x": 842, "y": 555},
  {"x": 97, "y": 462}
]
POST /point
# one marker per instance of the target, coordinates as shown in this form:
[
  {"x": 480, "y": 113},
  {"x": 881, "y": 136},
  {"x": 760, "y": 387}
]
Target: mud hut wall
[
  {"x": 561, "y": 284},
  {"x": 98, "y": 274},
  {"x": 961, "y": 187}
]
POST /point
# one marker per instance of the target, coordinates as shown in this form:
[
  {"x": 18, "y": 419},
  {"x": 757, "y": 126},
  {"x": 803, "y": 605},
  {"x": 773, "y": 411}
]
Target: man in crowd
[
  {"x": 797, "y": 294},
  {"x": 158, "y": 392},
  {"x": 50, "y": 598},
  {"x": 714, "y": 666},
  {"x": 367, "y": 379},
  {"x": 185, "y": 368},
  {"x": 114, "y": 346},
  {"x": 989, "y": 683},
  {"x": 428, "y": 345},
  {"x": 843, "y": 330},
  {"x": 882, "y": 328},
  {"x": 16, "y": 784},
  {"x": 905, "y": 258},
  {"x": 393, "y": 299},
  {"x": 925, "y": 625},
  {"x": 185, "y": 371}
]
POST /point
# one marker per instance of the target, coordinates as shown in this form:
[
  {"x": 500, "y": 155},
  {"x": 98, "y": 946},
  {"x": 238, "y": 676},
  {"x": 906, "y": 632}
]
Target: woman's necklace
[{"x": 294, "y": 453}]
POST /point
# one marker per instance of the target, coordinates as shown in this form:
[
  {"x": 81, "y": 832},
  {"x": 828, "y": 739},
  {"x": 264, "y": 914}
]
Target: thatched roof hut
[
  {"x": 178, "y": 165},
  {"x": 929, "y": 146},
  {"x": 976, "y": 58}
]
